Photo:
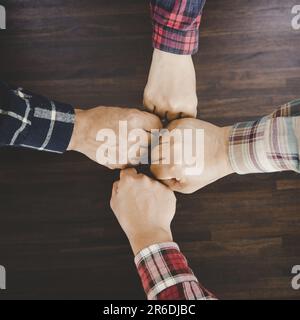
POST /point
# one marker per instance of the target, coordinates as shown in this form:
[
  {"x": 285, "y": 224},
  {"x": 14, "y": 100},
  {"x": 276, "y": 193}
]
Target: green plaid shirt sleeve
[{"x": 269, "y": 144}]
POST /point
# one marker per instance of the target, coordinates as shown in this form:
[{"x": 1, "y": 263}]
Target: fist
[
  {"x": 215, "y": 158},
  {"x": 171, "y": 88},
  {"x": 89, "y": 123},
  {"x": 144, "y": 209}
]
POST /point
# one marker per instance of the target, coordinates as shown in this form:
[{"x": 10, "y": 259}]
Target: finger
[
  {"x": 127, "y": 172},
  {"x": 117, "y": 166},
  {"x": 161, "y": 112},
  {"x": 173, "y": 184},
  {"x": 173, "y": 115},
  {"x": 161, "y": 153},
  {"x": 190, "y": 114},
  {"x": 151, "y": 121},
  {"x": 167, "y": 171},
  {"x": 154, "y": 108},
  {"x": 138, "y": 147},
  {"x": 156, "y": 155},
  {"x": 139, "y": 136},
  {"x": 144, "y": 177},
  {"x": 162, "y": 171},
  {"x": 149, "y": 105},
  {"x": 184, "y": 187}
]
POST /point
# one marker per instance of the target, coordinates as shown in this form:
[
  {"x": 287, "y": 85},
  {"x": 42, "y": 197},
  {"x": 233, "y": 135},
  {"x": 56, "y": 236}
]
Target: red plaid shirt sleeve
[
  {"x": 176, "y": 25},
  {"x": 165, "y": 274}
]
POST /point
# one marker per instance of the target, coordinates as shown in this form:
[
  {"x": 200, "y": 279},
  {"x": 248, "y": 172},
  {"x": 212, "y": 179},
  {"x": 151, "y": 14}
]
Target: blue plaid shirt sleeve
[{"x": 33, "y": 121}]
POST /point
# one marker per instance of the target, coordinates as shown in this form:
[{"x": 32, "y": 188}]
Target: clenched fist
[
  {"x": 89, "y": 123},
  {"x": 171, "y": 88},
  {"x": 216, "y": 160},
  {"x": 144, "y": 208}
]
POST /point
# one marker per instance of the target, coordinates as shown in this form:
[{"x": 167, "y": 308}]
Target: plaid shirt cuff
[
  {"x": 269, "y": 144},
  {"x": 176, "y": 25},
  {"x": 165, "y": 274},
  {"x": 32, "y": 121}
]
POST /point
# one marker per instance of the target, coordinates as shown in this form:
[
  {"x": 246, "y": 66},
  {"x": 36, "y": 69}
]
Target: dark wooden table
[{"x": 58, "y": 236}]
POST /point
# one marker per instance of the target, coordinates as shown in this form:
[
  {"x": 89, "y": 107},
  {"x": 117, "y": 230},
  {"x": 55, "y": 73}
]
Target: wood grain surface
[{"x": 58, "y": 236}]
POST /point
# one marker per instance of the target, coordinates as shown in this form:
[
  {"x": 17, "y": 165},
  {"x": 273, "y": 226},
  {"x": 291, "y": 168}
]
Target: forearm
[
  {"x": 176, "y": 25},
  {"x": 33, "y": 121},
  {"x": 165, "y": 274},
  {"x": 269, "y": 144}
]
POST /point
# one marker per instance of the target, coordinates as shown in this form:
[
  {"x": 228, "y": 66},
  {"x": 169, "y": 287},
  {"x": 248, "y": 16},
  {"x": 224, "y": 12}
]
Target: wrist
[
  {"x": 79, "y": 124},
  {"x": 225, "y": 150},
  {"x": 169, "y": 57},
  {"x": 146, "y": 239}
]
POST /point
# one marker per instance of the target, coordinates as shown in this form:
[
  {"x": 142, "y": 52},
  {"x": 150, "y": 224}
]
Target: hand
[
  {"x": 144, "y": 209},
  {"x": 216, "y": 160},
  {"x": 171, "y": 88},
  {"x": 89, "y": 122}
]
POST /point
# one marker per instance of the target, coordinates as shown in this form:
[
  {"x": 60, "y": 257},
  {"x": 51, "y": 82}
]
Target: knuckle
[
  {"x": 147, "y": 95},
  {"x": 188, "y": 102},
  {"x": 194, "y": 102},
  {"x": 134, "y": 113},
  {"x": 154, "y": 120},
  {"x": 174, "y": 124},
  {"x": 192, "y": 99},
  {"x": 173, "y": 104},
  {"x": 128, "y": 178},
  {"x": 134, "y": 118},
  {"x": 144, "y": 179},
  {"x": 112, "y": 203}
]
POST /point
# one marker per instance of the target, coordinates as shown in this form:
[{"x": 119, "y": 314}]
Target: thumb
[
  {"x": 167, "y": 171},
  {"x": 127, "y": 172}
]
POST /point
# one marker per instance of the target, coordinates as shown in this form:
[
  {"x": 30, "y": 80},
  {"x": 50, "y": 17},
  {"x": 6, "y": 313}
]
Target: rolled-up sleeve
[
  {"x": 176, "y": 25},
  {"x": 166, "y": 275},
  {"x": 269, "y": 144}
]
